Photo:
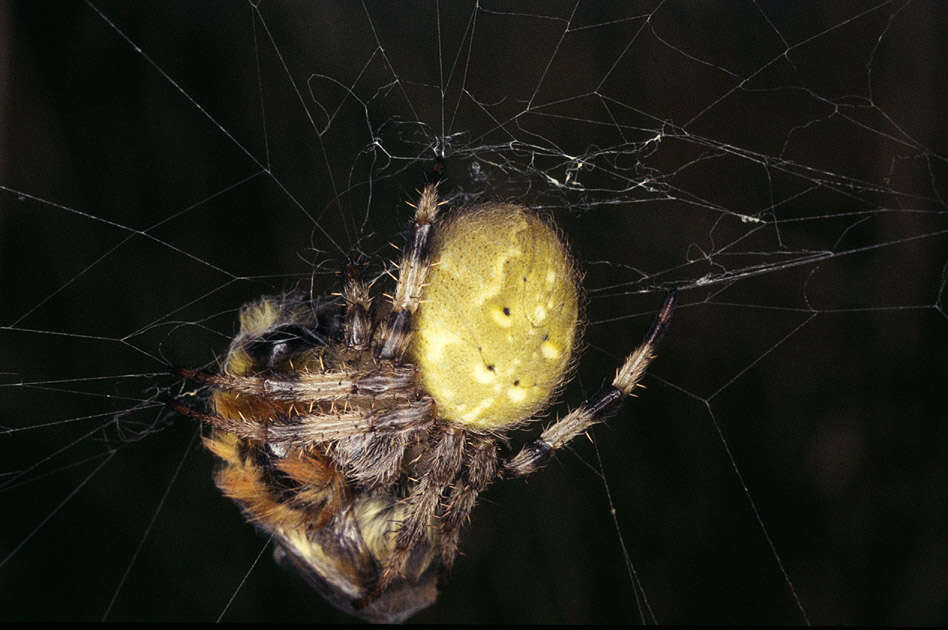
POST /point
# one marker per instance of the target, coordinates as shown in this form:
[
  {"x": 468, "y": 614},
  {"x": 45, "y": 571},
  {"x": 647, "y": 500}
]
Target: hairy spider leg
[
  {"x": 440, "y": 467},
  {"x": 358, "y": 322},
  {"x": 395, "y": 335},
  {"x": 392, "y": 380},
  {"x": 480, "y": 471},
  {"x": 309, "y": 429},
  {"x": 594, "y": 409}
]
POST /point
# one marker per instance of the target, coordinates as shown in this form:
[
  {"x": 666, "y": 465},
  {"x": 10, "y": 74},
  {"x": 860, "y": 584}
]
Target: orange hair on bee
[{"x": 320, "y": 494}]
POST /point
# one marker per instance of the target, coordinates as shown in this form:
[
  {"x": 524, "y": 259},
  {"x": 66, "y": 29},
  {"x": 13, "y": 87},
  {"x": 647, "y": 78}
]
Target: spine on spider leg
[
  {"x": 358, "y": 304},
  {"x": 595, "y": 408},
  {"x": 242, "y": 429},
  {"x": 412, "y": 271}
]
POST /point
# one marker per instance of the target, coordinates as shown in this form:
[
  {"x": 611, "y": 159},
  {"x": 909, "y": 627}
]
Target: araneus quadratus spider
[{"x": 362, "y": 447}]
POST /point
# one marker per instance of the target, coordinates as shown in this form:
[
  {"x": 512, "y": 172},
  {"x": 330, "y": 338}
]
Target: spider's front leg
[
  {"x": 396, "y": 333},
  {"x": 358, "y": 323},
  {"x": 304, "y": 430},
  {"x": 534, "y": 455}
]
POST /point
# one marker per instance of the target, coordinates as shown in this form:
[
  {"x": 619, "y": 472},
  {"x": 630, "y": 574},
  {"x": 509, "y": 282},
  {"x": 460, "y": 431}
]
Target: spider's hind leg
[{"x": 534, "y": 455}]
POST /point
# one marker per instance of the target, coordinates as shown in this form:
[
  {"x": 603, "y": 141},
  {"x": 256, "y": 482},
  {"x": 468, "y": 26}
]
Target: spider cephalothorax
[{"x": 360, "y": 437}]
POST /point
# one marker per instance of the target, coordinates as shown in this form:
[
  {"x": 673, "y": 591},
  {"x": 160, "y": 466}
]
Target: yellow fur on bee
[
  {"x": 498, "y": 319},
  {"x": 318, "y": 489},
  {"x": 375, "y": 515},
  {"x": 238, "y": 363},
  {"x": 224, "y": 445},
  {"x": 257, "y": 317}
]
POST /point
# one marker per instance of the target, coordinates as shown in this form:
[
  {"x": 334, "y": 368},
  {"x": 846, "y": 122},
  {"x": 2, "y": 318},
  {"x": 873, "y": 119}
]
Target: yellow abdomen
[{"x": 498, "y": 319}]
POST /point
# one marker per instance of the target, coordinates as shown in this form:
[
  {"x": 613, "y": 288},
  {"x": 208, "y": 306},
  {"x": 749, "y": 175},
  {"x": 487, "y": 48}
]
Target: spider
[{"x": 359, "y": 436}]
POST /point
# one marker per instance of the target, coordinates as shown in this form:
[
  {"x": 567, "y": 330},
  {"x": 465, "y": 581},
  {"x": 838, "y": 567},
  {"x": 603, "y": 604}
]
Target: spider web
[{"x": 782, "y": 164}]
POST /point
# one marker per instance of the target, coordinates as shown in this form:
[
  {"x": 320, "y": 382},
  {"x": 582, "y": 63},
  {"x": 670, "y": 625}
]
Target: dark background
[{"x": 135, "y": 217}]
